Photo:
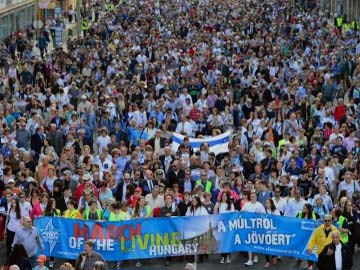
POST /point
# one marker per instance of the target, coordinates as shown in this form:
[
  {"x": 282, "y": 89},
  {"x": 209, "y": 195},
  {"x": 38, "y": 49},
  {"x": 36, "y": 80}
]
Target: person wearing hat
[
  {"x": 11, "y": 185},
  {"x": 29, "y": 236},
  {"x": 83, "y": 105},
  {"x": 41, "y": 260},
  {"x": 85, "y": 181},
  {"x": 158, "y": 114}
]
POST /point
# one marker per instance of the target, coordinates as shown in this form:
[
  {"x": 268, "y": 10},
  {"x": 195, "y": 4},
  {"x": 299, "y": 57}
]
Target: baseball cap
[
  {"x": 86, "y": 177},
  {"x": 11, "y": 181},
  {"x": 41, "y": 258}
]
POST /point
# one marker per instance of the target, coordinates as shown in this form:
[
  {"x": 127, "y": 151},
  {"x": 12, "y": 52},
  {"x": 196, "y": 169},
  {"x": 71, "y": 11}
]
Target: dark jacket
[
  {"x": 120, "y": 190},
  {"x": 171, "y": 211},
  {"x": 162, "y": 142},
  {"x": 326, "y": 262},
  {"x": 36, "y": 143},
  {"x": 174, "y": 178},
  {"x": 145, "y": 187},
  {"x": 182, "y": 185}
]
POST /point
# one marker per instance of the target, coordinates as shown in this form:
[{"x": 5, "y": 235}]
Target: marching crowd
[{"x": 87, "y": 133}]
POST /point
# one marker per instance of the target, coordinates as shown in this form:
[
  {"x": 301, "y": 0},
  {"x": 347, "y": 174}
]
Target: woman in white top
[
  {"x": 225, "y": 205},
  {"x": 13, "y": 221},
  {"x": 196, "y": 208},
  {"x": 47, "y": 182},
  {"x": 227, "y": 119},
  {"x": 270, "y": 209}
]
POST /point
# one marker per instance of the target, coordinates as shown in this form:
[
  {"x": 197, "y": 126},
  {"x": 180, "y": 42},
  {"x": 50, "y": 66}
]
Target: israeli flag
[{"x": 218, "y": 144}]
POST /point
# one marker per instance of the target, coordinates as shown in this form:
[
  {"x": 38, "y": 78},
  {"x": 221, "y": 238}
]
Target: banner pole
[{"x": 196, "y": 256}]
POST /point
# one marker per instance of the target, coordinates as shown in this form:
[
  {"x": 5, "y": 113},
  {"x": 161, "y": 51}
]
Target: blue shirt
[
  {"x": 136, "y": 135},
  {"x": 121, "y": 162},
  {"x": 158, "y": 115}
]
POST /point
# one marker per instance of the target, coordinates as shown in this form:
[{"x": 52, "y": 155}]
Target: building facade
[
  {"x": 348, "y": 8},
  {"x": 16, "y": 15}
]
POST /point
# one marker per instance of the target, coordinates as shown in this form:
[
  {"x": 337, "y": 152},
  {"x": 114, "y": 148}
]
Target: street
[{"x": 212, "y": 263}]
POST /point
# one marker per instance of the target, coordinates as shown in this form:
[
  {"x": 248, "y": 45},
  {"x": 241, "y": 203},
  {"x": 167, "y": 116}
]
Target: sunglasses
[{"x": 327, "y": 220}]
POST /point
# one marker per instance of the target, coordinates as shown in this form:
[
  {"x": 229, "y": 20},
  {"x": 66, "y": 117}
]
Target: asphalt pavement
[{"x": 211, "y": 263}]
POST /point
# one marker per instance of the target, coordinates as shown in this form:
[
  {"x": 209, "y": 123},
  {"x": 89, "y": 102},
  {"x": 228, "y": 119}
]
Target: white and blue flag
[{"x": 218, "y": 144}]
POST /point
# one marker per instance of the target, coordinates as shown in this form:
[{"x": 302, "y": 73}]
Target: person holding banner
[
  {"x": 225, "y": 205},
  {"x": 93, "y": 213},
  {"x": 336, "y": 255},
  {"x": 87, "y": 259},
  {"x": 253, "y": 207},
  {"x": 321, "y": 236},
  {"x": 71, "y": 211},
  {"x": 169, "y": 210},
  {"x": 270, "y": 209},
  {"x": 308, "y": 213}
]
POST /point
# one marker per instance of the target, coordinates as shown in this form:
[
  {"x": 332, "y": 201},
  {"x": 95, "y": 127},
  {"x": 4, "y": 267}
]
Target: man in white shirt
[
  {"x": 349, "y": 185},
  {"x": 295, "y": 205},
  {"x": 154, "y": 199},
  {"x": 184, "y": 126},
  {"x": 25, "y": 206},
  {"x": 336, "y": 255},
  {"x": 279, "y": 202},
  {"x": 253, "y": 207}
]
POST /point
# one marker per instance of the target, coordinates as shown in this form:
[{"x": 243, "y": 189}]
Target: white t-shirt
[
  {"x": 338, "y": 257},
  {"x": 25, "y": 209},
  {"x": 200, "y": 211},
  {"x": 254, "y": 208},
  {"x": 223, "y": 208},
  {"x": 103, "y": 142}
]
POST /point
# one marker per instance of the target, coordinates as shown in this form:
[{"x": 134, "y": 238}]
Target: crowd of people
[{"x": 87, "y": 133}]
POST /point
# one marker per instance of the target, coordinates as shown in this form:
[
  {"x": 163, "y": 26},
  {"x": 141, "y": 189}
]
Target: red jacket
[
  {"x": 80, "y": 189},
  {"x": 339, "y": 112}
]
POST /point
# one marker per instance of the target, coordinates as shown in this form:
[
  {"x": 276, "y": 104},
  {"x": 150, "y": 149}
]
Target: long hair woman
[
  {"x": 196, "y": 208},
  {"x": 225, "y": 205},
  {"x": 19, "y": 257},
  {"x": 13, "y": 222},
  {"x": 51, "y": 210},
  {"x": 270, "y": 209}
]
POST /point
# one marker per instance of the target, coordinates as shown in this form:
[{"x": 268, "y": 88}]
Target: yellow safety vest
[
  {"x": 207, "y": 185},
  {"x": 344, "y": 236},
  {"x": 347, "y": 27},
  {"x": 313, "y": 216},
  {"x": 117, "y": 217},
  {"x": 72, "y": 214},
  {"x": 354, "y": 25},
  {"x": 56, "y": 213},
  {"x": 339, "y": 22},
  {"x": 98, "y": 212},
  {"x": 85, "y": 25}
]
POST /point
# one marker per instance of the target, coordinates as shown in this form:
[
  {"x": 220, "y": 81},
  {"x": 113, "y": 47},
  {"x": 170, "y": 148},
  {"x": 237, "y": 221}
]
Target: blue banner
[{"x": 176, "y": 236}]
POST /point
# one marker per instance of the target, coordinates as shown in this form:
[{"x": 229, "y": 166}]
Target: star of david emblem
[{"x": 50, "y": 235}]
